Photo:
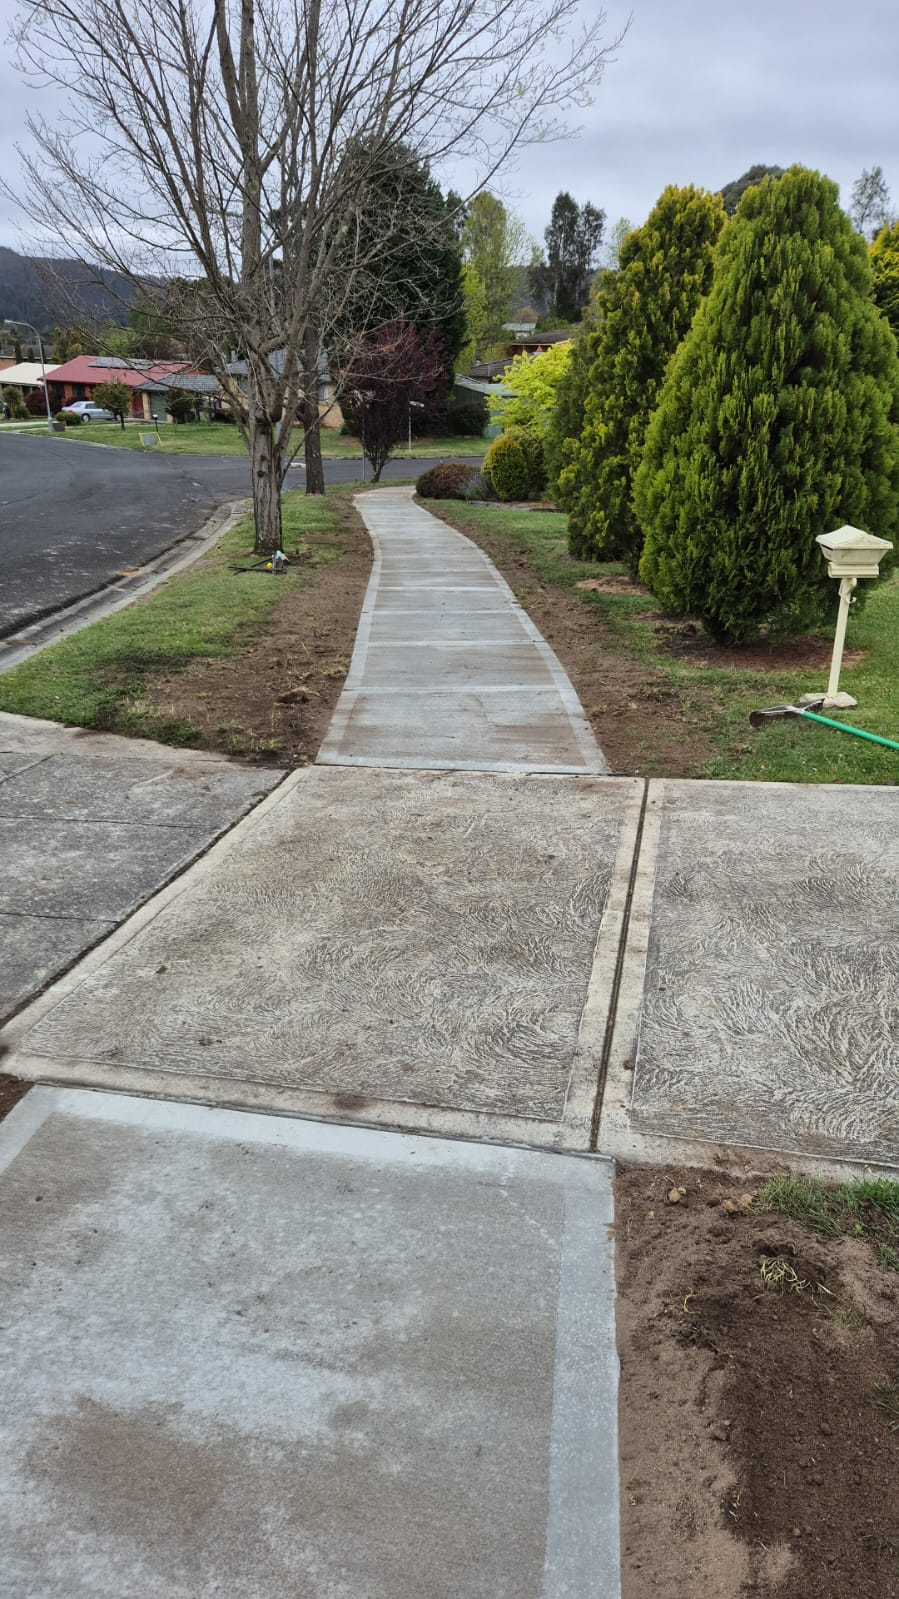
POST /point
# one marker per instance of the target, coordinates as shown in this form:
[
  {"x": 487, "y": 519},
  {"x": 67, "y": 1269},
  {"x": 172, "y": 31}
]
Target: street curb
[{"x": 59, "y": 624}]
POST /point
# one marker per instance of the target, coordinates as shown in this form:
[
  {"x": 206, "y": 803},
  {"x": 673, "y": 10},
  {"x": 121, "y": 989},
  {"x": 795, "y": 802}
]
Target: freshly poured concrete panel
[
  {"x": 90, "y": 825},
  {"x": 770, "y": 1009},
  {"x": 260, "y": 1358},
  {"x": 440, "y": 638},
  {"x": 378, "y": 942}
]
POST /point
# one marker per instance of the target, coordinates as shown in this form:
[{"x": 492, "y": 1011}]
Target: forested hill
[{"x": 47, "y": 292}]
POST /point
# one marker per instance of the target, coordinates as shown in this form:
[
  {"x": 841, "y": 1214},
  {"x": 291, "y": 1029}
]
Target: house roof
[
  {"x": 485, "y": 370},
  {"x": 26, "y": 373},
  {"x": 190, "y": 382},
  {"x": 93, "y": 369},
  {"x": 535, "y": 341}
]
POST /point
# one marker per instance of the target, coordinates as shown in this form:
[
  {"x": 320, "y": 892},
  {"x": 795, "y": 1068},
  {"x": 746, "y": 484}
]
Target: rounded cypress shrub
[
  {"x": 643, "y": 312},
  {"x": 506, "y": 469},
  {"x": 531, "y": 445},
  {"x": 777, "y": 421}
]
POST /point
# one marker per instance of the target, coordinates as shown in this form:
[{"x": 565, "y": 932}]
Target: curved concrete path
[{"x": 449, "y": 672}]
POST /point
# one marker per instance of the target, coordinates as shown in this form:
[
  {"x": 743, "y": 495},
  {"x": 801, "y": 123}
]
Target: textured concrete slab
[
  {"x": 250, "y": 1356},
  {"x": 440, "y": 637},
  {"x": 411, "y": 948},
  {"x": 759, "y": 1002},
  {"x": 90, "y": 826}
]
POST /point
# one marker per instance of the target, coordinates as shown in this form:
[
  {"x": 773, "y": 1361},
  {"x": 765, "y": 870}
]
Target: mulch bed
[
  {"x": 272, "y": 701},
  {"x": 759, "y": 1455}
]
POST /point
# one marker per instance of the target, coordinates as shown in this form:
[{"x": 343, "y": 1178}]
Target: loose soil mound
[{"x": 759, "y": 1400}]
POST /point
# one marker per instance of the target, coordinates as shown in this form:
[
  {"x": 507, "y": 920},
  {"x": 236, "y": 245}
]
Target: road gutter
[{"x": 124, "y": 590}]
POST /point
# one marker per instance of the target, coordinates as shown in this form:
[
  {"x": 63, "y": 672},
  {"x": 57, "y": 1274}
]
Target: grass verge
[
  {"x": 713, "y": 690},
  {"x": 101, "y": 676},
  {"x": 867, "y": 1209},
  {"x": 218, "y": 438}
]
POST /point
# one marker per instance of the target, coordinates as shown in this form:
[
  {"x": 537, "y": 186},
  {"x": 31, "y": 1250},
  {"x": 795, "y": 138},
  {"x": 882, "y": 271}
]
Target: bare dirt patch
[
  {"x": 272, "y": 701},
  {"x": 634, "y": 711},
  {"x": 12, "y": 1089},
  {"x": 759, "y": 1446},
  {"x": 687, "y": 642}
]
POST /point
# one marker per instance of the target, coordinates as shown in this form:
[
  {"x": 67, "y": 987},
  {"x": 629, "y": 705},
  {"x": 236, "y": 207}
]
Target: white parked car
[{"x": 89, "y": 412}]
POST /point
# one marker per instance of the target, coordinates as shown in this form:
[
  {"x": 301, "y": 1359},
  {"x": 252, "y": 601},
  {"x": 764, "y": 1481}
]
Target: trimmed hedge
[
  {"x": 468, "y": 419},
  {"x": 532, "y": 448},
  {"x": 448, "y": 481},
  {"x": 506, "y": 469}
]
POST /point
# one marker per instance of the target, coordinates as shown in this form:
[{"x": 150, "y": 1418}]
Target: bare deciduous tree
[
  {"x": 219, "y": 141},
  {"x": 870, "y": 204}
]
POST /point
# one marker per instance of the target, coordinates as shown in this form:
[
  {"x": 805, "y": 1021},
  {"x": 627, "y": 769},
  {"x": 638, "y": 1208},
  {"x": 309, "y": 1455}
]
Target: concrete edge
[
  {"x": 583, "y": 1523},
  {"x": 111, "y": 597},
  {"x": 596, "y": 1017},
  {"x": 310, "y": 1104},
  {"x": 583, "y": 732},
  {"x": 328, "y": 1136}
]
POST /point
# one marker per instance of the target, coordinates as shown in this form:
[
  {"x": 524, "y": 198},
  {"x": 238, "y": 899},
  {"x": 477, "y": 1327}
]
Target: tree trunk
[
  {"x": 265, "y": 467},
  {"x": 315, "y": 472}
]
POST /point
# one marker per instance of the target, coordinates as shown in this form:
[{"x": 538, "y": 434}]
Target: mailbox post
[{"x": 850, "y": 554}]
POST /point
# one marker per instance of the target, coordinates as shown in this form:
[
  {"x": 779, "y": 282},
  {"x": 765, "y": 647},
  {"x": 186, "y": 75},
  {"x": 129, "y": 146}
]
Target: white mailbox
[{"x": 852, "y": 553}]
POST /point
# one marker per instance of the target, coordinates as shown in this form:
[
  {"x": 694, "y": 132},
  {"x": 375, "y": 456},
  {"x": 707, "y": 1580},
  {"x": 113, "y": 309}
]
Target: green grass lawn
[
  {"x": 220, "y": 438},
  {"x": 90, "y": 679},
  {"x": 719, "y": 699}
]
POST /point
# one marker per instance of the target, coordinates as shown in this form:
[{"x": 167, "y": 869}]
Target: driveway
[{"x": 74, "y": 515}]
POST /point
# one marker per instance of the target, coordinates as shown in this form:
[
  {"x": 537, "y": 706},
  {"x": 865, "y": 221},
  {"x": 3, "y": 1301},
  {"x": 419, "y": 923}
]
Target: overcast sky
[{"x": 701, "y": 89}]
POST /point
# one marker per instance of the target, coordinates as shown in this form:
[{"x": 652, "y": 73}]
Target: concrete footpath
[{"x": 448, "y": 670}]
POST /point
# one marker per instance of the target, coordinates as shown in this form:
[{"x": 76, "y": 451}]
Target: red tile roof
[{"x": 92, "y": 369}]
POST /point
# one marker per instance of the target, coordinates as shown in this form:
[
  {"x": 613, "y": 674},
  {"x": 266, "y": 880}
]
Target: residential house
[
  {"x": 25, "y": 375},
  {"x": 77, "y": 379}
]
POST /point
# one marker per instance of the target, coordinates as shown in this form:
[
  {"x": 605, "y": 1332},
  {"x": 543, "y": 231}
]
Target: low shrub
[
  {"x": 468, "y": 419},
  {"x": 445, "y": 482},
  {"x": 72, "y": 419},
  {"x": 13, "y": 398},
  {"x": 506, "y": 469},
  {"x": 535, "y": 457},
  {"x": 479, "y": 487}
]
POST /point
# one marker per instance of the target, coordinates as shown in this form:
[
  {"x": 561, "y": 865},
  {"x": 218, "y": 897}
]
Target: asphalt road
[{"x": 73, "y": 515}]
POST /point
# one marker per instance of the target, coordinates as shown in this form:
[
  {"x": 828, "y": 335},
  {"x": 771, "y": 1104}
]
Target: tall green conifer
[
  {"x": 643, "y": 311},
  {"x": 777, "y": 421}
]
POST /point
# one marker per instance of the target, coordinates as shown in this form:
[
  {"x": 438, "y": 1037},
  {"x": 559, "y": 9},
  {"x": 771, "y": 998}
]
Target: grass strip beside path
[
  {"x": 221, "y": 438},
  {"x": 710, "y": 692},
  {"x": 100, "y": 677}
]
